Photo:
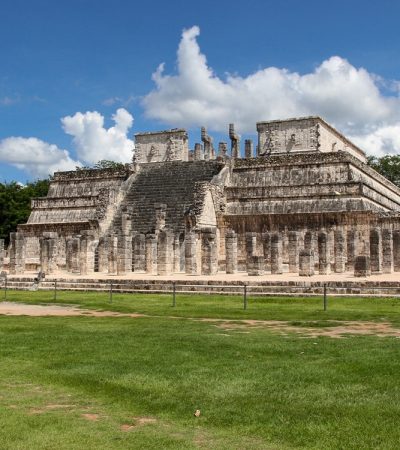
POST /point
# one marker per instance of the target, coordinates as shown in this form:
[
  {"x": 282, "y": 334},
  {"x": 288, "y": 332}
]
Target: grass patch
[{"x": 122, "y": 383}]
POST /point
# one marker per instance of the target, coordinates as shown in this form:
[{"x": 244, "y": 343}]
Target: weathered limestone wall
[
  {"x": 169, "y": 145},
  {"x": 306, "y": 134}
]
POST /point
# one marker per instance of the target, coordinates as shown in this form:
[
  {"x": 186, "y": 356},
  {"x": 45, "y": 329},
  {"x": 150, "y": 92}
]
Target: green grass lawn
[{"x": 124, "y": 383}]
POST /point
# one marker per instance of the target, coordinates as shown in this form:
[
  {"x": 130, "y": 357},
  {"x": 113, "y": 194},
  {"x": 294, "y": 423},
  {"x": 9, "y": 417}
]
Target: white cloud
[
  {"x": 348, "y": 97},
  {"x": 36, "y": 157},
  {"x": 94, "y": 142}
]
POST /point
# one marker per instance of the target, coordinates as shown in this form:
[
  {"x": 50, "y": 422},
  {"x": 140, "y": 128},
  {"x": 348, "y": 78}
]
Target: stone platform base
[{"x": 268, "y": 285}]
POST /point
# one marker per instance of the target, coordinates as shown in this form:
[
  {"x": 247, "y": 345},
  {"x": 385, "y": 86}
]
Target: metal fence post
[
  {"x": 55, "y": 289},
  {"x": 173, "y": 294},
  {"x": 111, "y": 291},
  {"x": 244, "y": 297},
  {"x": 325, "y": 298}
]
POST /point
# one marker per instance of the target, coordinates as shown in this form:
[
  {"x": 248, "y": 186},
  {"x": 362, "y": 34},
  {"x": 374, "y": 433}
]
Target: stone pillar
[
  {"x": 248, "y": 148},
  {"x": 306, "y": 263},
  {"x": 2, "y": 252},
  {"x": 235, "y": 141},
  {"x": 177, "y": 255},
  {"x": 223, "y": 149},
  {"x": 209, "y": 251},
  {"x": 340, "y": 251},
  {"x": 151, "y": 254},
  {"x": 256, "y": 266},
  {"x": 165, "y": 253},
  {"x": 87, "y": 252},
  {"x": 103, "y": 255},
  {"x": 293, "y": 251},
  {"x": 48, "y": 252},
  {"x": 396, "y": 250},
  {"x": 362, "y": 266},
  {"x": 231, "y": 251},
  {"x": 352, "y": 238},
  {"x": 323, "y": 254},
  {"x": 139, "y": 250},
  {"x": 375, "y": 243},
  {"x": 198, "y": 154},
  {"x": 276, "y": 253},
  {"x": 191, "y": 266},
  {"x": 74, "y": 252},
  {"x": 124, "y": 254},
  {"x": 387, "y": 251},
  {"x": 17, "y": 253},
  {"x": 251, "y": 246},
  {"x": 208, "y": 144},
  {"x": 266, "y": 240},
  {"x": 112, "y": 254},
  {"x": 308, "y": 238}
]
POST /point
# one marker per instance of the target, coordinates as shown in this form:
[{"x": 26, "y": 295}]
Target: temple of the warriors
[{"x": 302, "y": 200}]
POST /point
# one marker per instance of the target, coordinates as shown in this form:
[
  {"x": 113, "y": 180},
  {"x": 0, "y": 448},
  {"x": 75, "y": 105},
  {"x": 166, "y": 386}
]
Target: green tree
[
  {"x": 388, "y": 166},
  {"x": 15, "y": 203}
]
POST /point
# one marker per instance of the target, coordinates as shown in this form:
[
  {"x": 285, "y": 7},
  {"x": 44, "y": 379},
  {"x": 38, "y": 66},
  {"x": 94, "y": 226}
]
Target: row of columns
[{"x": 317, "y": 250}]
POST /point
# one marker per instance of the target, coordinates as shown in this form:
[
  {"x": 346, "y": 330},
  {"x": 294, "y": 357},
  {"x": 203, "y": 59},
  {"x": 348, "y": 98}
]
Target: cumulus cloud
[
  {"x": 91, "y": 140},
  {"x": 94, "y": 142},
  {"x": 348, "y": 97},
  {"x": 35, "y": 156}
]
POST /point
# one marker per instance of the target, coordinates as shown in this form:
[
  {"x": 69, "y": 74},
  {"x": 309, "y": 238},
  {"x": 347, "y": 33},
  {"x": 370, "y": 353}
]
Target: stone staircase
[{"x": 170, "y": 183}]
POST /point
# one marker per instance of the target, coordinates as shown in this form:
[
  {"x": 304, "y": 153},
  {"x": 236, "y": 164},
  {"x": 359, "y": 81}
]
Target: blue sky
[{"x": 242, "y": 62}]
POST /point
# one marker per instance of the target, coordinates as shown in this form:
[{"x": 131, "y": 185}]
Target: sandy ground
[
  {"x": 21, "y": 309},
  {"x": 311, "y": 329}
]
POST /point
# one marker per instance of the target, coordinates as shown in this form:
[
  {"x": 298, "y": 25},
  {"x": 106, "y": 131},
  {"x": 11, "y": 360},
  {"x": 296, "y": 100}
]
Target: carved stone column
[
  {"x": 2, "y": 252},
  {"x": 209, "y": 253},
  {"x": 352, "y": 245},
  {"x": 177, "y": 254},
  {"x": 102, "y": 253},
  {"x": 340, "y": 250},
  {"x": 17, "y": 253},
  {"x": 124, "y": 254},
  {"x": 266, "y": 238},
  {"x": 256, "y": 266},
  {"x": 387, "y": 251},
  {"x": 323, "y": 255},
  {"x": 112, "y": 254},
  {"x": 276, "y": 253},
  {"x": 235, "y": 141},
  {"x": 293, "y": 250},
  {"x": 191, "y": 265},
  {"x": 375, "y": 242},
  {"x": 231, "y": 252},
  {"x": 198, "y": 154},
  {"x": 362, "y": 266},
  {"x": 306, "y": 263},
  {"x": 139, "y": 258},
  {"x": 48, "y": 252},
  {"x": 248, "y": 148},
  {"x": 251, "y": 246},
  {"x": 165, "y": 253},
  {"x": 151, "y": 254},
  {"x": 396, "y": 250}
]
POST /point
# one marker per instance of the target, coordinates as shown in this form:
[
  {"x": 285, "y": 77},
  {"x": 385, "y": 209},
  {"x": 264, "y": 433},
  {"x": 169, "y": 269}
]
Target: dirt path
[
  {"x": 21, "y": 309},
  {"x": 332, "y": 328}
]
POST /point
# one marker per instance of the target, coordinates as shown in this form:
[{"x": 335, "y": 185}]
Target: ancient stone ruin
[{"x": 306, "y": 202}]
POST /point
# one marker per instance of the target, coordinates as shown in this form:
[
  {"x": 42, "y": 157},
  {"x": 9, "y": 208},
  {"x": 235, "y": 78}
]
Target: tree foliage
[
  {"x": 15, "y": 203},
  {"x": 103, "y": 164},
  {"x": 388, "y": 166}
]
